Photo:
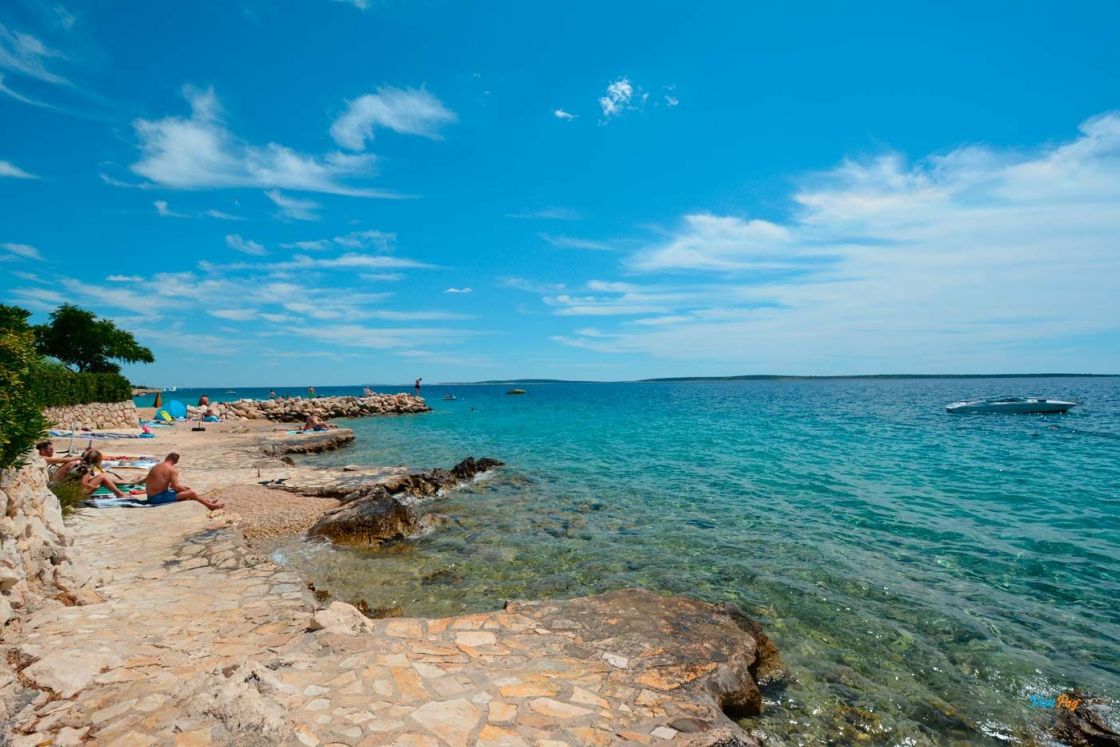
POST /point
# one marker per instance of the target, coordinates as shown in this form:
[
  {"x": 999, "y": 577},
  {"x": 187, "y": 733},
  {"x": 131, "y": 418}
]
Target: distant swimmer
[{"x": 417, "y": 385}]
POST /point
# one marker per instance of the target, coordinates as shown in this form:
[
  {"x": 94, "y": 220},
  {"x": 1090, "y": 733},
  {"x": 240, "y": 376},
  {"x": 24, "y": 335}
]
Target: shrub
[
  {"x": 21, "y": 419},
  {"x": 55, "y": 385},
  {"x": 70, "y": 495}
]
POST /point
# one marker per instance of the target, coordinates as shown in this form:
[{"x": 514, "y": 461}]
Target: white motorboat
[{"x": 1010, "y": 405}]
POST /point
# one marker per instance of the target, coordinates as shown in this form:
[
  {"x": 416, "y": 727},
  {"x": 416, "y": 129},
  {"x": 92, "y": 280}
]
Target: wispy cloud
[
  {"x": 22, "y": 98},
  {"x": 165, "y": 211},
  {"x": 124, "y": 278},
  {"x": 886, "y": 264},
  {"x": 218, "y": 214},
  {"x": 459, "y": 290},
  {"x": 568, "y": 242},
  {"x": 26, "y": 55},
  {"x": 199, "y": 151},
  {"x": 294, "y": 208},
  {"x": 564, "y": 115},
  {"x": 370, "y": 239},
  {"x": 25, "y": 251},
  {"x": 411, "y": 111},
  {"x": 550, "y": 213},
  {"x": 236, "y": 242},
  {"x": 9, "y": 169}
]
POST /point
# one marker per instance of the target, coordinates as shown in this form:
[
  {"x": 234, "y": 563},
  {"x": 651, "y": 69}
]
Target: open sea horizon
[{"x": 928, "y": 578}]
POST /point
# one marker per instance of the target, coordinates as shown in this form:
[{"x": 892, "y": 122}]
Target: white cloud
[
  {"x": 458, "y": 290},
  {"x": 221, "y": 215},
  {"x": 200, "y": 152},
  {"x": 124, "y": 278},
  {"x": 380, "y": 240},
  {"x": 568, "y": 242},
  {"x": 7, "y": 168},
  {"x": 561, "y": 114},
  {"x": 8, "y": 91},
  {"x": 359, "y": 4},
  {"x": 409, "y": 111},
  {"x": 712, "y": 242},
  {"x": 619, "y": 98},
  {"x": 26, "y": 55},
  {"x": 672, "y": 101},
  {"x": 365, "y": 239},
  {"x": 235, "y": 241},
  {"x": 236, "y": 315},
  {"x": 977, "y": 259},
  {"x": 292, "y": 207},
  {"x": 165, "y": 211},
  {"x": 552, "y": 213},
  {"x": 382, "y": 277},
  {"x": 25, "y": 251}
]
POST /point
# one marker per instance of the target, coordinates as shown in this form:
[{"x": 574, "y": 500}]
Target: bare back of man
[{"x": 162, "y": 485}]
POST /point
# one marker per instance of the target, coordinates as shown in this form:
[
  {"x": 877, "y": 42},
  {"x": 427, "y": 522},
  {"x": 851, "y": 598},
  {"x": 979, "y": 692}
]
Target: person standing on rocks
[{"x": 162, "y": 485}]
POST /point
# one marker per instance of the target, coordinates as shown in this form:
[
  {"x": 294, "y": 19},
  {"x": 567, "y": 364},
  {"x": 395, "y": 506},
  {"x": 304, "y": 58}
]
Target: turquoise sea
[{"x": 923, "y": 574}]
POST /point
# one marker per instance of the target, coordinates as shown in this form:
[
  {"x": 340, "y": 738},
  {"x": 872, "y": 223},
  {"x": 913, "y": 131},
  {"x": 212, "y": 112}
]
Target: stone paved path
[{"x": 202, "y": 641}]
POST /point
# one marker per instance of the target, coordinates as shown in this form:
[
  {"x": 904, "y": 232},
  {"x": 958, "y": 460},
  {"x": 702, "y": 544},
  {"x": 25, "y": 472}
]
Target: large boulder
[
  {"x": 381, "y": 510},
  {"x": 378, "y": 517}
]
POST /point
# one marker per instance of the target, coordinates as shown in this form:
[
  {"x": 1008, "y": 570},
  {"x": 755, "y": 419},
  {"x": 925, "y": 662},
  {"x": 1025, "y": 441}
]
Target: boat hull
[{"x": 1040, "y": 407}]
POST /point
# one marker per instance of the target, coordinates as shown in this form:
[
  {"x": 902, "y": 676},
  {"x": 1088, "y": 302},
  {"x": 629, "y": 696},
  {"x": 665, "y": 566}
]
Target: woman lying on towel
[{"x": 92, "y": 476}]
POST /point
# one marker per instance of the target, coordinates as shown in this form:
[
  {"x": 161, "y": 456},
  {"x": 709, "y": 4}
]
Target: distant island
[{"x": 784, "y": 377}]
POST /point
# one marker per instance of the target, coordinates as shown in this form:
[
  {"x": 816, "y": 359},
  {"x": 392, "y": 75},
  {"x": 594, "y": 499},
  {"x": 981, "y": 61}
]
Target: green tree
[
  {"x": 13, "y": 319},
  {"x": 79, "y": 339},
  {"x": 21, "y": 422}
]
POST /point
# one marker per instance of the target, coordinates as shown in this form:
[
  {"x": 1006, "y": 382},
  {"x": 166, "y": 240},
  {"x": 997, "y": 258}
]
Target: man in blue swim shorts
[{"x": 162, "y": 485}]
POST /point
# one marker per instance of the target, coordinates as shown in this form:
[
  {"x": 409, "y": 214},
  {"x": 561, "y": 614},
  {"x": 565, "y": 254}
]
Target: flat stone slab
[
  {"x": 308, "y": 442},
  {"x": 200, "y": 640}
]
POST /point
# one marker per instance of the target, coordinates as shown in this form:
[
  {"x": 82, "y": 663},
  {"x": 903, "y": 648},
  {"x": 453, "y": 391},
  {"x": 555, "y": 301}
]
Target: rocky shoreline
[
  {"x": 192, "y": 637},
  {"x": 296, "y": 409}
]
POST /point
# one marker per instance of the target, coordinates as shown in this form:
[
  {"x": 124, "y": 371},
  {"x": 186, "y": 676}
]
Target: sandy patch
[{"x": 268, "y": 514}]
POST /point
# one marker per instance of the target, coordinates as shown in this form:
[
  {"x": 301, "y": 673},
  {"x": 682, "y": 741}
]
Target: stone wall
[
  {"x": 36, "y": 554},
  {"x": 94, "y": 416}
]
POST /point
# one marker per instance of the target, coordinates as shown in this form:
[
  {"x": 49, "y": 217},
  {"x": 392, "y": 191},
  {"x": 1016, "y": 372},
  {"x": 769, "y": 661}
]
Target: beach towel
[{"x": 119, "y": 503}]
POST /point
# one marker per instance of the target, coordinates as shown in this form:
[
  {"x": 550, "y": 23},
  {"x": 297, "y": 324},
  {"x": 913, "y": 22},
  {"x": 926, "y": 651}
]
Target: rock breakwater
[{"x": 297, "y": 409}]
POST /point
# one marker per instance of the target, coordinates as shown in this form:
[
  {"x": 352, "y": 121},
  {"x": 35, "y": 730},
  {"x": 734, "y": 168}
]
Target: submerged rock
[
  {"x": 1082, "y": 720},
  {"x": 381, "y": 510}
]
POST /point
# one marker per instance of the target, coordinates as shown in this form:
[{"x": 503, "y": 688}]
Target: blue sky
[{"x": 335, "y": 192}]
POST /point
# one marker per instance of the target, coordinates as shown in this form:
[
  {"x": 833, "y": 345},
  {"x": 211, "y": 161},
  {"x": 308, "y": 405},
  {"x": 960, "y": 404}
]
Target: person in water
[
  {"x": 417, "y": 385},
  {"x": 162, "y": 485},
  {"x": 92, "y": 476}
]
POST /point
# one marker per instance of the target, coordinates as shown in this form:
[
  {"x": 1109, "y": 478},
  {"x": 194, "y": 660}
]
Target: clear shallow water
[{"x": 923, "y": 574}]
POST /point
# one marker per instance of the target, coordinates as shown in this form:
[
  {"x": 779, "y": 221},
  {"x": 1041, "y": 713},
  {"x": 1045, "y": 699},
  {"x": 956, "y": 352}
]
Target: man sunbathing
[
  {"x": 162, "y": 485},
  {"x": 315, "y": 423}
]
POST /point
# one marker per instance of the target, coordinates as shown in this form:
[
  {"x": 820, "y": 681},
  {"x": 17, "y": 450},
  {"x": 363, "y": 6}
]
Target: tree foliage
[
  {"x": 21, "y": 419},
  {"x": 13, "y": 319},
  {"x": 77, "y": 338}
]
